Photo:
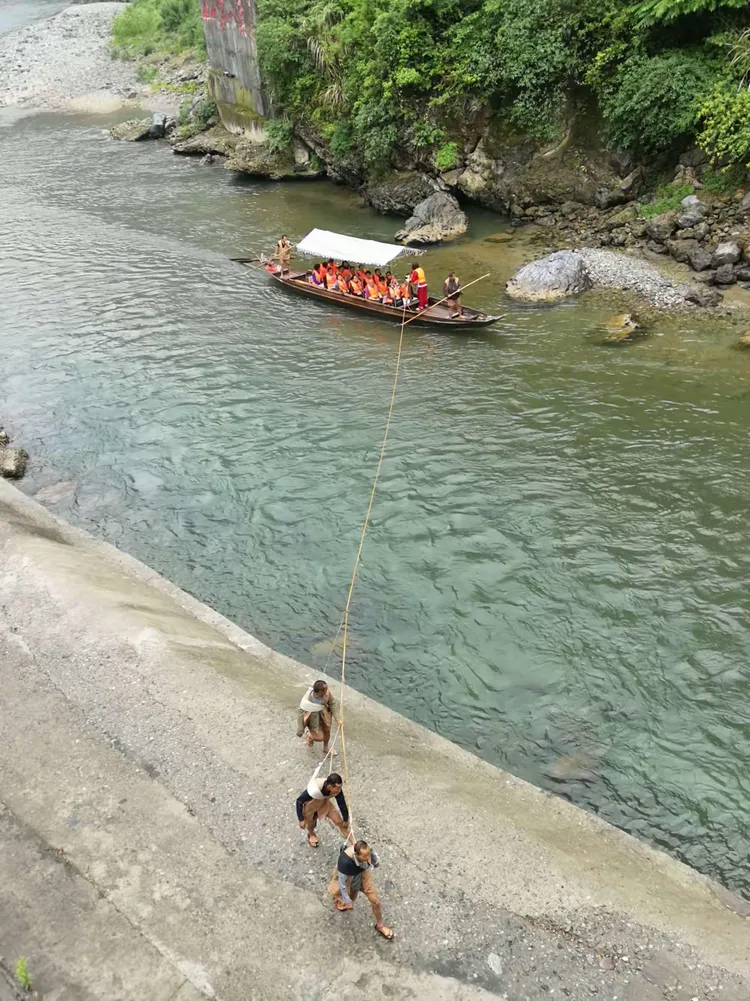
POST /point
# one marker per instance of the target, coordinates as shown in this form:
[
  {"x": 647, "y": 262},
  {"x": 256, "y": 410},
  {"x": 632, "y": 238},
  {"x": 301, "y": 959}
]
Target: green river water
[{"x": 558, "y": 563}]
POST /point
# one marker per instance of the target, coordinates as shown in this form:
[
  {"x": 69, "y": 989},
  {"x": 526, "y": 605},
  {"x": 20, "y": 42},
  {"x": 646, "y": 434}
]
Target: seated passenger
[
  {"x": 355, "y": 286},
  {"x": 316, "y": 275},
  {"x": 346, "y": 270}
]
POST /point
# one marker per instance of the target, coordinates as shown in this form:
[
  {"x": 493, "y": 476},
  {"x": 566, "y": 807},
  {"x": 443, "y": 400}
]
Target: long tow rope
[
  {"x": 365, "y": 525},
  {"x": 344, "y": 627}
]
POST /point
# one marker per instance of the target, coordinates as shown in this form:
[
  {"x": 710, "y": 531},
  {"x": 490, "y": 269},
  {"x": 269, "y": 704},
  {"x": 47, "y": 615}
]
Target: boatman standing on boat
[
  {"x": 419, "y": 282},
  {"x": 317, "y": 710},
  {"x": 283, "y": 254},
  {"x": 452, "y": 291}
]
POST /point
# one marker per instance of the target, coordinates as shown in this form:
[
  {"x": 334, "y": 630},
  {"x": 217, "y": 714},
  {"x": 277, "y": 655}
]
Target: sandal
[
  {"x": 385, "y": 931},
  {"x": 341, "y": 906},
  {"x": 312, "y": 840}
]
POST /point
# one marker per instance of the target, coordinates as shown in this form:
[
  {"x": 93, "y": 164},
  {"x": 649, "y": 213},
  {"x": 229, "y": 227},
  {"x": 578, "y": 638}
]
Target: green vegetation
[
  {"x": 665, "y": 199},
  {"x": 446, "y": 157},
  {"x": 279, "y": 135},
  {"x": 723, "y": 182},
  {"x": 379, "y": 77},
  {"x": 22, "y": 974},
  {"x": 159, "y": 27}
]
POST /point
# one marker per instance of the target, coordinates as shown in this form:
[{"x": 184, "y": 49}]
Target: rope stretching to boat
[{"x": 365, "y": 524}]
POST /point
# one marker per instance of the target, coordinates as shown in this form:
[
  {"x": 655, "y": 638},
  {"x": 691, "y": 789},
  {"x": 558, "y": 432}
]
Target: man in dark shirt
[
  {"x": 352, "y": 873},
  {"x": 317, "y": 803}
]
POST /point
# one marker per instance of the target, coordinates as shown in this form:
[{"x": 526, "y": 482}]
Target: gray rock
[
  {"x": 554, "y": 277},
  {"x": 132, "y": 131},
  {"x": 13, "y": 463},
  {"x": 655, "y": 247},
  {"x": 661, "y": 227},
  {"x": 398, "y": 193},
  {"x": 630, "y": 183},
  {"x": 681, "y": 249},
  {"x": 495, "y": 964},
  {"x": 742, "y": 274},
  {"x": 605, "y": 198},
  {"x": 437, "y": 218},
  {"x": 744, "y": 205},
  {"x": 701, "y": 296},
  {"x": 693, "y": 202},
  {"x": 621, "y": 218},
  {"x": 724, "y": 275},
  {"x": 690, "y": 217},
  {"x": 4, "y": 437},
  {"x": 726, "y": 253},
  {"x": 700, "y": 259},
  {"x": 158, "y": 127}
]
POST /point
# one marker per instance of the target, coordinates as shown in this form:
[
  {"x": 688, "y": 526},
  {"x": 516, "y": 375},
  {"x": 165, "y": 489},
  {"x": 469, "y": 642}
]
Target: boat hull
[{"x": 433, "y": 316}]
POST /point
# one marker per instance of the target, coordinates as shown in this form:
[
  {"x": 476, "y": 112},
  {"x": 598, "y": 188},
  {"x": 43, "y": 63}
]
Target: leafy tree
[{"x": 652, "y": 103}]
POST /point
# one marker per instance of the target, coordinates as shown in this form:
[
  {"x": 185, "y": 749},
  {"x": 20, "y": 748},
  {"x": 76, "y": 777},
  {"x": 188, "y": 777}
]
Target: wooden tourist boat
[{"x": 324, "y": 246}]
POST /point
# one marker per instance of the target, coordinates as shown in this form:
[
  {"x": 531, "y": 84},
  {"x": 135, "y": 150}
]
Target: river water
[{"x": 556, "y": 574}]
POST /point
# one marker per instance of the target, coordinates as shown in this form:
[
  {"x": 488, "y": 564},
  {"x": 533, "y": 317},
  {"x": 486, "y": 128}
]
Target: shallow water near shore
[{"x": 556, "y": 573}]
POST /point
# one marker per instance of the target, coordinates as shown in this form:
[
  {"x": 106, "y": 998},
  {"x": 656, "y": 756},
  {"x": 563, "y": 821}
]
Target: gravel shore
[
  {"x": 609, "y": 269},
  {"x": 64, "y": 62}
]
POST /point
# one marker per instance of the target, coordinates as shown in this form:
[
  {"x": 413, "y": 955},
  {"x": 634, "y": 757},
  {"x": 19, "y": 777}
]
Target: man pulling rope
[
  {"x": 317, "y": 803},
  {"x": 317, "y": 710}
]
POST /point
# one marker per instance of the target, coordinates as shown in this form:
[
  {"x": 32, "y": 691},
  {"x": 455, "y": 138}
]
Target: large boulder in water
[
  {"x": 437, "y": 218},
  {"x": 133, "y": 131},
  {"x": 550, "y": 278},
  {"x": 13, "y": 462},
  {"x": 398, "y": 193}
]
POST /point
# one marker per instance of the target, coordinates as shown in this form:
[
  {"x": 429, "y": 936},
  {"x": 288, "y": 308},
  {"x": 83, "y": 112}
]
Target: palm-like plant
[{"x": 325, "y": 48}]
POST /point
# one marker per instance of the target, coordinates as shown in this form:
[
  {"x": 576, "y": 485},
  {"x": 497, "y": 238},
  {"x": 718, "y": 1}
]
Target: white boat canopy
[{"x": 324, "y": 245}]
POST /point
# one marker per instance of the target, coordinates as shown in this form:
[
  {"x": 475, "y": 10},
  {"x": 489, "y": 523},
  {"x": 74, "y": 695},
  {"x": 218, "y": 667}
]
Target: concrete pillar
[{"x": 234, "y": 81}]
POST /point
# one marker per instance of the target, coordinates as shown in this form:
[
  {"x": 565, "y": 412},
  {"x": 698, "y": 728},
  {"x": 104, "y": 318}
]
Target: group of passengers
[{"x": 372, "y": 285}]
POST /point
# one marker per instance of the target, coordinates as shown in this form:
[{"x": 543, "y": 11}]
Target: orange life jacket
[
  {"x": 417, "y": 277},
  {"x": 355, "y": 286}
]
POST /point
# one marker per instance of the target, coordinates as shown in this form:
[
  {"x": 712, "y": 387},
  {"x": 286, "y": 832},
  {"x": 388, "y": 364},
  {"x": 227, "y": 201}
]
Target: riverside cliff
[{"x": 591, "y": 121}]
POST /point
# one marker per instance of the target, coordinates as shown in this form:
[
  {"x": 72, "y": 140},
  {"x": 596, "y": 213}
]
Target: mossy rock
[
  {"x": 132, "y": 131},
  {"x": 621, "y": 328}
]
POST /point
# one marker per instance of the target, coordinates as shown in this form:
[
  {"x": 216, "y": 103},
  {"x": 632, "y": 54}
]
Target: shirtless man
[
  {"x": 282, "y": 254},
  {"x": 317, "y": 803},
  {"x": 352, "y": 873},
  {"x": 452, "y": 289},
  {"x": 317, "y": 710}
]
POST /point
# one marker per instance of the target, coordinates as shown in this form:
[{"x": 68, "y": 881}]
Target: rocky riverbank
[{"x": 65, "y": 62}]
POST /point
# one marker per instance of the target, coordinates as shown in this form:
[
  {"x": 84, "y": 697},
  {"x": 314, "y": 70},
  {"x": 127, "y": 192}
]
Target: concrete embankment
[{"x": 150, "y": 850}]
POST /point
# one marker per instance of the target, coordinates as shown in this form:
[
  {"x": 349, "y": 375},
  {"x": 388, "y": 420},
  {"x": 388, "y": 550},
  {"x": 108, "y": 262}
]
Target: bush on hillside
[
  {"x": 168, "y": 26},
  {"x": 725, "y": 117},
  {"x": 653, "y": 104}
]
